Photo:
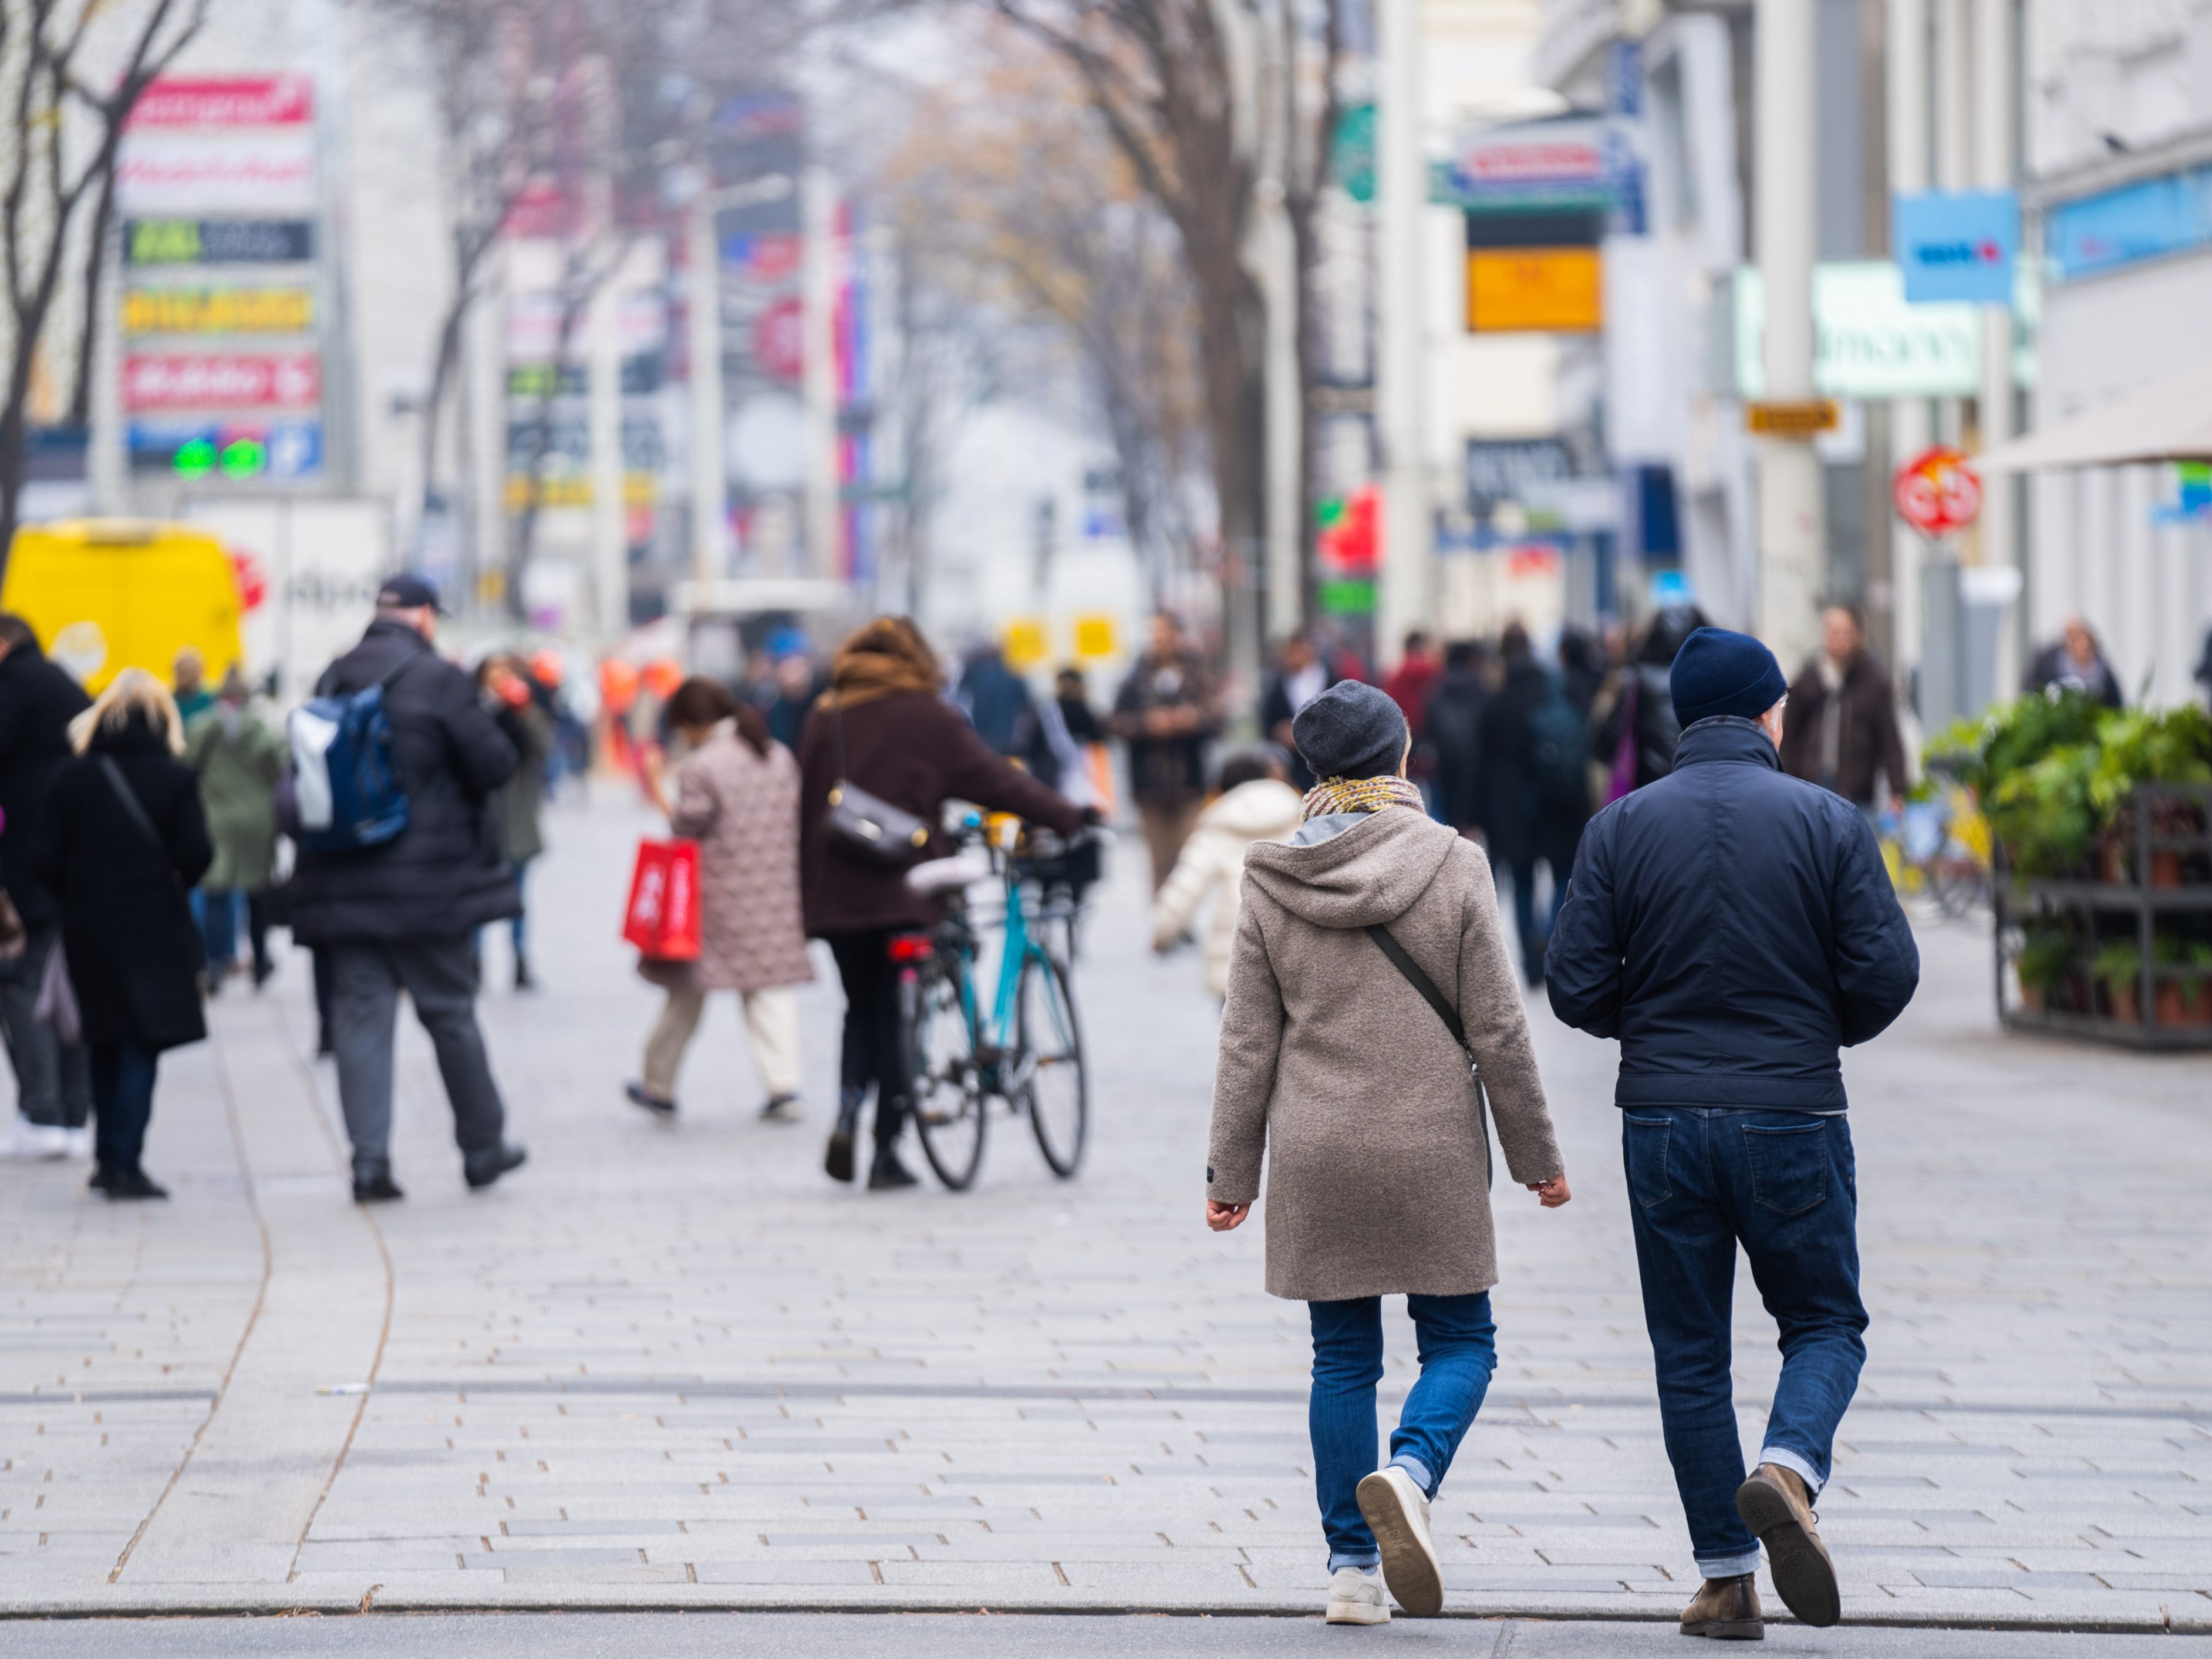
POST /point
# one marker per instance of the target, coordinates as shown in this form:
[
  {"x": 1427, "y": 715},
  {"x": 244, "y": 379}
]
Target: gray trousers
[
  {"x": 440, "y": 976},
  {"x": 53, "y": 1079}
]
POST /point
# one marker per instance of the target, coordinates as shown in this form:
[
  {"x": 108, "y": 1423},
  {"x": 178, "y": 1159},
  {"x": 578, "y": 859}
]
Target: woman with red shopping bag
[{"x": 719, "y": 909}]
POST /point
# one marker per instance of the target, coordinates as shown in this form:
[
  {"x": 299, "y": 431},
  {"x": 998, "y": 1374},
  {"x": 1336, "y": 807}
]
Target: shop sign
[
  {"x": 1956, "y": 245},
  {"x": 223, "y": 380},
  {"x": 1807, "y": 419},
  {"x": 1551, "y": 290},
  {"x": 1936, "y": 491},
  {"x": 1501, "y": 470},
  {"x": 1867, "y": 341},
  {"x": 2137, "y": 221},
  {"x": 173, "y": 171},
  {"x": 1576, "y": 162},
  {"x": 242, "y": 451},
  {"x": 217, "y": 241},
  {"x": 218, "y": 311},
  {"x": 249, "y": 100}
]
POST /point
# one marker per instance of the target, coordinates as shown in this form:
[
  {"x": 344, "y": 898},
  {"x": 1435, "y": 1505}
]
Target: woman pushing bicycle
[{"x": 882, "y": 753}]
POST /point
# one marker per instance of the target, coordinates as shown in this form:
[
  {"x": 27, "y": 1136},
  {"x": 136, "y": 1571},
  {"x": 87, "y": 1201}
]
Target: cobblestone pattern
[{"x": 679, "y": 1366}]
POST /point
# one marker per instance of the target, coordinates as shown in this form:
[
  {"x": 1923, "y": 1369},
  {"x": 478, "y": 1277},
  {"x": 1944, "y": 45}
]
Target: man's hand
[
  {"x": 1551, "y": 1193},
  {"x": 1226, "y": 1217}
]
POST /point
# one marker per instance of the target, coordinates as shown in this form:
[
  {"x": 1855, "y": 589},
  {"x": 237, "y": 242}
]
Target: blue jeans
[
  {"x": 1536, "y": 933},
  {"x": 1458, "y": 1348},
  {"x": 122, "y": 1101},
  {"x": 1702, "y": 1179}
]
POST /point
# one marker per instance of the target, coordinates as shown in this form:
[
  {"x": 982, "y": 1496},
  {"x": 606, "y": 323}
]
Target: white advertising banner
[{"x": 166, "y": 172}]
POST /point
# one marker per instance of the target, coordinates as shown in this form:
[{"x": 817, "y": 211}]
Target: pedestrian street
[{"x": 676, "y": 1367}]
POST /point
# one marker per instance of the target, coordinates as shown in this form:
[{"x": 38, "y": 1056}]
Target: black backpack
[{"x": 1556, "y": 744}]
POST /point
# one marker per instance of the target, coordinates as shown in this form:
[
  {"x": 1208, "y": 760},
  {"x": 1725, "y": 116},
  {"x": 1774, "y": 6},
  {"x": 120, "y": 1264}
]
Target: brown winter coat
[
  {"x": 1350, "y": 1081},
  {"x": 743, "y": 810},
  {"x": 1867, "y": 738},
  {"x": 917, "y": 751}
]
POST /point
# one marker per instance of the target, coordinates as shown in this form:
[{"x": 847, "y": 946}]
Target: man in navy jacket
[{"x": 1734, "y": 927}]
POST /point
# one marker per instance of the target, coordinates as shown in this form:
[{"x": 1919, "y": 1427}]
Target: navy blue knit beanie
[{"x": 1718, "y": 672}]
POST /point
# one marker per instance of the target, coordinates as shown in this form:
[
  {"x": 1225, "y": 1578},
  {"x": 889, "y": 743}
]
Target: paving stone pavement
[{"x": 678, "y": 1367}]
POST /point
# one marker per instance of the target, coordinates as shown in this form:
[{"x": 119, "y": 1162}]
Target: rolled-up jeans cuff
[
  {"x": 1782, "y": 1457},
  {"x": 1366, "y": 1563},
  {"x": 1419, "y": 1470},
  {"x": 1729, "y": 1566}
]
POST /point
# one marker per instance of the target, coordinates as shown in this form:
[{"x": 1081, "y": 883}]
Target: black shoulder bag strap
[
  {"x": 133, "y": 808},
  {"x": 1420, "y": 982}
]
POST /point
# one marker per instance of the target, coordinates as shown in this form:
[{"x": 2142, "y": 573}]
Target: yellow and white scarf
[{"x": 1359, "y": 795}]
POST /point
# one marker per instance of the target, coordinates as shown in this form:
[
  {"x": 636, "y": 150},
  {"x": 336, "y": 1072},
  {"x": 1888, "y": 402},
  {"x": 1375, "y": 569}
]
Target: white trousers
[{"x": 771, "y": 1027}]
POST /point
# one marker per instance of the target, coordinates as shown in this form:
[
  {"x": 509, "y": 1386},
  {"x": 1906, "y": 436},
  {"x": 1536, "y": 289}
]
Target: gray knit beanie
[{"x": 1351, "y": 731}]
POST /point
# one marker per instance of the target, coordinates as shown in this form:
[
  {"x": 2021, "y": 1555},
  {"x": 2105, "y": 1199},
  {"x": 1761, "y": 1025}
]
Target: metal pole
[
  {"x": 1408, "y": 551},
  {"x": 1911, "y": 424},
  {"x": 1993, "y": 170},
  {"x": 709, "y": 485},
  {"x": 1792, "y": 551},
  {"x": 818, "y": 302},
  {"x": 609, "y": 520}
]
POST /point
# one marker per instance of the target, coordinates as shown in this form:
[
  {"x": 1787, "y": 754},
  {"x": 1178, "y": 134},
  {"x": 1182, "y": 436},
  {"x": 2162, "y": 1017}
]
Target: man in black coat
[
  {"x": 1536, "y": 791},
  {"x": 1452, "y": 733},
  {"x": 1734, "y": 927},
  {"x": 404, "y": 914},
  {"x": 53, "y": 1079}
]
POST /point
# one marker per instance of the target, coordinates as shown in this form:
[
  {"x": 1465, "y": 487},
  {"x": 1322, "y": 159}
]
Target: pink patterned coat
[{"x": 743, "y": 810}]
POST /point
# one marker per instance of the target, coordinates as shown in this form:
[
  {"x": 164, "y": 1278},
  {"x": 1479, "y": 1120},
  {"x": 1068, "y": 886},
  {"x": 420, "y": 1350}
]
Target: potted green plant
[
  {"x": 2044, "y": 813},
  {"x": 2046, "y": 955},
  {"x": 2118, "y": 971},
  {"x": 2136, "y": 746},
  {"x": 2185, "y": 997}
]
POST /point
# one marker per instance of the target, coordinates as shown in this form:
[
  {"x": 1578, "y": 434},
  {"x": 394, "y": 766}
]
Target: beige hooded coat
[{"x": 1350, "y": 1082}]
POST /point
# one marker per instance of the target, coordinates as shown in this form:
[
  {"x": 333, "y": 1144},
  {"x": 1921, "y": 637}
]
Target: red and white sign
[
  {"x": 780, "y": 339},
  {"x": 1936, "y": 491},
  {"x": 255, "y": 100},
  {"x": 183, "y": 172},
  {"x": 223, "y": 380}
]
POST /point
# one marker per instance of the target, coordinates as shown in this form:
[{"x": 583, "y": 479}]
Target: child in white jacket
[{"x": 1255, "y": 803}]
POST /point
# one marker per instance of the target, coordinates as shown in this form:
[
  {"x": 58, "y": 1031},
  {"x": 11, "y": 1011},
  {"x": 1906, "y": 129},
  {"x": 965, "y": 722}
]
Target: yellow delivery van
[{"x": 107, "y": 594}]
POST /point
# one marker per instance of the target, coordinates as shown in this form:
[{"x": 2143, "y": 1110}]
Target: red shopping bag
[{"x": 662, "y": 919}]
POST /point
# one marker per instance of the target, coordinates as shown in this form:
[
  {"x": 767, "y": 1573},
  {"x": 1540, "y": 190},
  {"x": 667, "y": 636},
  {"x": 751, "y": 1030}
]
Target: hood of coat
[
  {"x": 1258, "y": 811},
  {"x": 1370, "y": 873}
]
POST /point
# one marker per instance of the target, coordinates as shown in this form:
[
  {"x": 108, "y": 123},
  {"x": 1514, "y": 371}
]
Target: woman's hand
[
  {"x": 1551, "y": 1193},
  {"x": 1226, "y": 1217}
]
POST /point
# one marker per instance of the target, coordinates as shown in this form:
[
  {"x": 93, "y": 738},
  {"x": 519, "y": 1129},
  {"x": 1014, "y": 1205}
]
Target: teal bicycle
[{"x": 1022, "y": 1046}]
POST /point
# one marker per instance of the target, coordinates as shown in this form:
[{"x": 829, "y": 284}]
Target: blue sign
[
  {"x": 1957, "y": 246},
  {"x": 242, "y": 452},
  {"x": 2135, "y": 222}
]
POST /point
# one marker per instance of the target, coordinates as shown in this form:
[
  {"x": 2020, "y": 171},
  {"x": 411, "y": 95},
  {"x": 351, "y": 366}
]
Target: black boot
[
  {"x": 522, "y": 980},
  {"x": 132, "y": 1183},
  {"x": 838, "y": 1160},
  {"x": 372, "y": 1183},
  {"x": 887, "y": 1173},
  {"x": 481, "y": 1169}
]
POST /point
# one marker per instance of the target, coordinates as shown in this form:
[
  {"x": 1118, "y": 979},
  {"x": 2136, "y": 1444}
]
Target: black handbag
[
  {"x": 1420, "y": 982},
  {"x": 868, "y": 824}
]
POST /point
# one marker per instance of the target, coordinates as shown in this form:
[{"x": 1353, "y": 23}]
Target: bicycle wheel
[
  {"x": 947, "y": 1090},
  {"x": 1054, "y": 1079},
  {"x": 1955, "y": 883}
]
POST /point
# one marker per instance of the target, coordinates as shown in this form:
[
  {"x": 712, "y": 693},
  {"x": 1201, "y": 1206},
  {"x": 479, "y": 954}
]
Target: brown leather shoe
[
  {"x": 1727, "y": 1608},
  {"x": 1775, "y": 1504}
]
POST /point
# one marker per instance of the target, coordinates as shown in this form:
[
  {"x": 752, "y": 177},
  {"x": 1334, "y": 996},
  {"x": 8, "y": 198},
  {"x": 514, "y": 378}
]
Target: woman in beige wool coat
[
  {"x": 1337, "y": 1067},
  {"x": 737, "y": 795}
]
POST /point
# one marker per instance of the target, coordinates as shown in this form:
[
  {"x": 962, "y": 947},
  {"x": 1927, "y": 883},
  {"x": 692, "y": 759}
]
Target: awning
[{"x": 2170, "y": 421}]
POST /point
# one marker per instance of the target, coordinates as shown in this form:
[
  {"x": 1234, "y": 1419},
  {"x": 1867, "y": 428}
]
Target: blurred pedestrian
[
  {"x": 238, "y": 757},
  {"x": 1256, "y": 803},
  {"x": 2202, "y": 673},
  {"x": 2075, "y": 662},
  {"x": 1301, "y": 674},
  {"x": 122, "y": 840},
  {"x": 1167, "y": 713},
  {"x": 518, "y": 806},
  {"x": 885, "y": 728},
  {"x": 737, "y": 795},
  {"x": 1634, "y": 739},
  {"x": 1409, "y": 685},
  {"x": 1839, "y": 729},
  {"x": 1582, "y": 667},
  {"x": 53, "y": 1078},
  {"x": 1733, "y": 928},
  {"x": 1368, "y": 966},
  {"x": 1452, "y": 729},
  {"x": 1535, "y": 790},
  {"x": 402, "y": 914},
  {"x": 797, "y": 688},
  {"x": 1061, "y": 742},
  {"x": 188, "y": 673},
  {"x": 996, "y": 700}
]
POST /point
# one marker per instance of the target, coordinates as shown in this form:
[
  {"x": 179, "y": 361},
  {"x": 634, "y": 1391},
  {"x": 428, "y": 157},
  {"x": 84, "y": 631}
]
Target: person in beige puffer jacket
[{"x": 1255, "y": 803}]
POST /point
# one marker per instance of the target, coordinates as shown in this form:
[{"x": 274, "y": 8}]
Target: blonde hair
[{"x": 132, "y": 692}]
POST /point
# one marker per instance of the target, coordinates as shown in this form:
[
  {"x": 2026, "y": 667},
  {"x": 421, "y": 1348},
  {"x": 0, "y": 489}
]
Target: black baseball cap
[{"x": 406, "y": 592}]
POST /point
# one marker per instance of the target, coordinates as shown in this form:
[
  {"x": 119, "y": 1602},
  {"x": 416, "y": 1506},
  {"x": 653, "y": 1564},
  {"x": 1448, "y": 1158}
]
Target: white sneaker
[
  {"x": 79, "y": 1141},
  {"x": 1398, "y": 1515},
  {"x": 1355, "y": 1598},
  {"x": 39, "y": 1142}
]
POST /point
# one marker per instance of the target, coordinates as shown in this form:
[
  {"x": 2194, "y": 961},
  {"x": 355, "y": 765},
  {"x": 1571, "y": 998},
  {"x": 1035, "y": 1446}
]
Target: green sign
[
  {"x": 1347, "y": 598},
  {"x": 1352, "y": 152}
]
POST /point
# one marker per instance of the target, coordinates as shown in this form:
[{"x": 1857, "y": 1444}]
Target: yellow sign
[
  {"x": 1520, "y": 290},
  {"x": 1024, "y": 644},
  {"x": 574, "y": 490},
  {"x": 1803, "y": 420},
  {"x": 218, "y": 311},
  {"x": 1097, "y": 637}
]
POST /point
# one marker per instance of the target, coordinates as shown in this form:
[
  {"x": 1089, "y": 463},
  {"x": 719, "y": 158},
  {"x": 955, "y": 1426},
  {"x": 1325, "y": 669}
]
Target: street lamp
[{"x": 709, "y": 491}]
